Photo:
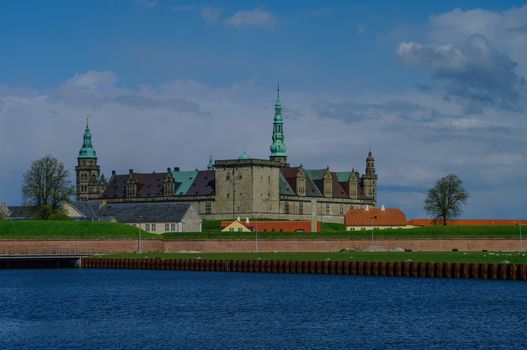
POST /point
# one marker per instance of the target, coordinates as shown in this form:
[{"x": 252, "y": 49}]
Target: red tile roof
[{"x": 375, "y": 217}]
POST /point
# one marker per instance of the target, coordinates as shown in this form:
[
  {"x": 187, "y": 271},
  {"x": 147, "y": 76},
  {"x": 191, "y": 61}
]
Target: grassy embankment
[
  {"x": 453, "y": 257},
  {"x": 35, "y": 229},
  {"x": 211, "y": 230}
]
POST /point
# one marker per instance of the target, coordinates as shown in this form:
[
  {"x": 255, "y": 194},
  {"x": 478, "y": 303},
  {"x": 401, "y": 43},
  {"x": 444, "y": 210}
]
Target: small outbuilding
[
  {"x": 375, "y": 219},
  {"x": 151, "y": 217}
]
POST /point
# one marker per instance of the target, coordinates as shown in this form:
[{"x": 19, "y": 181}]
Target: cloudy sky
[{"x": 431, "y": 87}]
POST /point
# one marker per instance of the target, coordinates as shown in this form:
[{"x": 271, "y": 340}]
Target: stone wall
[{"x": 94, "y": 246}]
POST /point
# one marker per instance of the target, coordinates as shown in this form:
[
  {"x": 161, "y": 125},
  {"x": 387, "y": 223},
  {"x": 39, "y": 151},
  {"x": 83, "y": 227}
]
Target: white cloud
[
  {"x": 504, "y": 29},
  {"x": 430, "y": 56},
  {"x": 251, "y": 18},
  {"x": 211, "y": 14},
  {"x": 93, "y": 80}
]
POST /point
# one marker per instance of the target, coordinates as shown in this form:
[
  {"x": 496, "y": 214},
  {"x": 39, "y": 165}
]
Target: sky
[{"x": 432, "y": 87}]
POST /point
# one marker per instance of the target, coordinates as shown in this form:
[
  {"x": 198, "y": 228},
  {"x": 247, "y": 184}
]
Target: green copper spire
[
  {"x": 278, "y": 145},
  {"x": 87, "y": 150},
  {"x": 210, "y": 166}
]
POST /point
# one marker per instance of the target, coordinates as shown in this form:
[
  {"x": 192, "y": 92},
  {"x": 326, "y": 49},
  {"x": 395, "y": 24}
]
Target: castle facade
[{"x": 242, "y": 187}]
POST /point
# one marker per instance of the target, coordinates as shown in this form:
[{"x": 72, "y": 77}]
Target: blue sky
[{"x": 432, "y": 86}]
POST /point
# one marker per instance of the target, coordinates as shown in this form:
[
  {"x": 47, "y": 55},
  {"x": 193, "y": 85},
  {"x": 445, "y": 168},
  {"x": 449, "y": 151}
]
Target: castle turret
[
  {"x": 90, "y": 183},
  {"x": 278, "y": 149},
  {"x": 369, "y": 179},
  {"x": 210, "y": 166}
]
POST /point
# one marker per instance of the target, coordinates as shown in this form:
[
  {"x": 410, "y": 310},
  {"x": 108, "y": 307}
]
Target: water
[{"x": 133, "y": 309}]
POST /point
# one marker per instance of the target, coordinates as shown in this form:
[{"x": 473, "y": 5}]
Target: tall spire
[
  {"x": 210, "y": 166},
  {"x": 87, "y": 150},
  {"x": 278, "y": 148}
]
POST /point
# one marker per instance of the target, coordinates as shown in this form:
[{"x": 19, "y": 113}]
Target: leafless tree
[{"x": 46, "y": 187}]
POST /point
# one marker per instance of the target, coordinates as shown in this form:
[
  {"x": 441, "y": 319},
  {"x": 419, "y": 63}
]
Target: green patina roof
[
  {"x": 343, "y": 176},
  {"x": 87, "y": 150},
  {"x": 278, "y": 147},
  {"x": 244, "y": 155},
  {"x": 210, "y": 166},
  {"x": 316, "y": 174},
  {"x": 185, "y": 179}
]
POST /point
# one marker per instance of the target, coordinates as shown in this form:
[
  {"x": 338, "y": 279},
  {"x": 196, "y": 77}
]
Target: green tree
[
  {"x": 444, "y": 200},
  {"x": 4, "y": 211},
  {"x": 46, "y": 188}
]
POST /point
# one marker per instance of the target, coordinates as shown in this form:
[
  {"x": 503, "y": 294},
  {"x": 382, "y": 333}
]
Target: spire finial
[
  {"x": 87, "y": 118},
  {"x": 210, "y": 166}
]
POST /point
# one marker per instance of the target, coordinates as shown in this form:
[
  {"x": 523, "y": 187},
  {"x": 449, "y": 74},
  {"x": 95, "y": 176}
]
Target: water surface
[{"x": 134, "y": 309}]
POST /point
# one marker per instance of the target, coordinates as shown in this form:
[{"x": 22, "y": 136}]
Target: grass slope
[
  {"x": 67, "y": 229},
  {"x": 333, "y": 233},
  {"x": 454, "y": 257},
  {"x": 79, "y": 229}
]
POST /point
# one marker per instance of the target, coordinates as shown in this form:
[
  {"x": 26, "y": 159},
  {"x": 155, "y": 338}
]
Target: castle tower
[
  {"x": 278, "y": 146},
  {"x": 370, "y": 178},
  {"x": 90, "y": 184}
]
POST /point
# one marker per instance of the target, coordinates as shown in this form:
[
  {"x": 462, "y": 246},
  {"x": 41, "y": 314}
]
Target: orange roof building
[{"x": 375, "y": 219}]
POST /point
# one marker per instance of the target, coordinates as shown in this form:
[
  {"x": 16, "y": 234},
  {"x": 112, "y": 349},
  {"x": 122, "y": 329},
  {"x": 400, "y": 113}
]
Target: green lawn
[
  {"x": 67, "y": 229},
  {"x": 82, "y": 229},
  {"x": 496, "y": 258},
  {"x": 332, "y": 231}
]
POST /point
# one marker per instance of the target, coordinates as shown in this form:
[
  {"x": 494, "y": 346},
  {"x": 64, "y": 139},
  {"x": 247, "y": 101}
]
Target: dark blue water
[{"x": 130, "y": 309}]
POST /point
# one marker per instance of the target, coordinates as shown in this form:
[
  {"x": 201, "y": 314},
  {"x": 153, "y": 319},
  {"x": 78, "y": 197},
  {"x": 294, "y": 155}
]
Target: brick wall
[{"x": 282, "y": 245}]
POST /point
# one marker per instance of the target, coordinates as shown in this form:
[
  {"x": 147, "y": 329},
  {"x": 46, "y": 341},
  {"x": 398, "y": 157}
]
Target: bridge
[{"x": 47, "y": 261}]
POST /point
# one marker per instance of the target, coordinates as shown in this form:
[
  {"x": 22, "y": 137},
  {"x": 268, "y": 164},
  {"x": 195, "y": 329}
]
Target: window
[
  {"x": 167, "y": 227},
  {"x": 301, "y": 208},
  {"x": 327, "y": 208},
  {"x": 341, "y": 209},
  {"x": 173, "y": 227},
  {"x": 147, "y": 227},
  {"x": 240, "y": 229},
  {"x": 208, "y": 208},
  {"x": 153, "y": 226},
  {"x": 231, "y": 229},
  {"x": 286, "y": 207}
]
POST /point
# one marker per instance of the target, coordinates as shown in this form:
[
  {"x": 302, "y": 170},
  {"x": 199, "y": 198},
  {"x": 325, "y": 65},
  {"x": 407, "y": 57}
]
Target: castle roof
[
  {"x": 184, "y": 180},
  {"x": 134, "y": 212},
  {"x": 204, "y": 184},
  {"x": 148, "y": 185}
]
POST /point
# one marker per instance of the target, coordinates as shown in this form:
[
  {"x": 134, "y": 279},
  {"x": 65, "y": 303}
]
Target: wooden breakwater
[{"x": 357, "y": 268}]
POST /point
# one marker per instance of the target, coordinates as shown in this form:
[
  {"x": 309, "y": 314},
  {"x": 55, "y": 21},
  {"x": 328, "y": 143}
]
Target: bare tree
[
  {"x": 444, "y": 200},
  {"x": 4, "y": 211},
  {"x": 46, "y": 187}
]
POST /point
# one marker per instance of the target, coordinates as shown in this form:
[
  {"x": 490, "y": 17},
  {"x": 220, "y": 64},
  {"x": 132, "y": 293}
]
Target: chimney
[
  {"x": 131, "y": 171},
  {"x": 113, "y": 172}
]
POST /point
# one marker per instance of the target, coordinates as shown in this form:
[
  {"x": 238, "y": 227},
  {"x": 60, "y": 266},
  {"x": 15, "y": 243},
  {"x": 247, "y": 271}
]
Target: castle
[{"x": 243, "y": 187}]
